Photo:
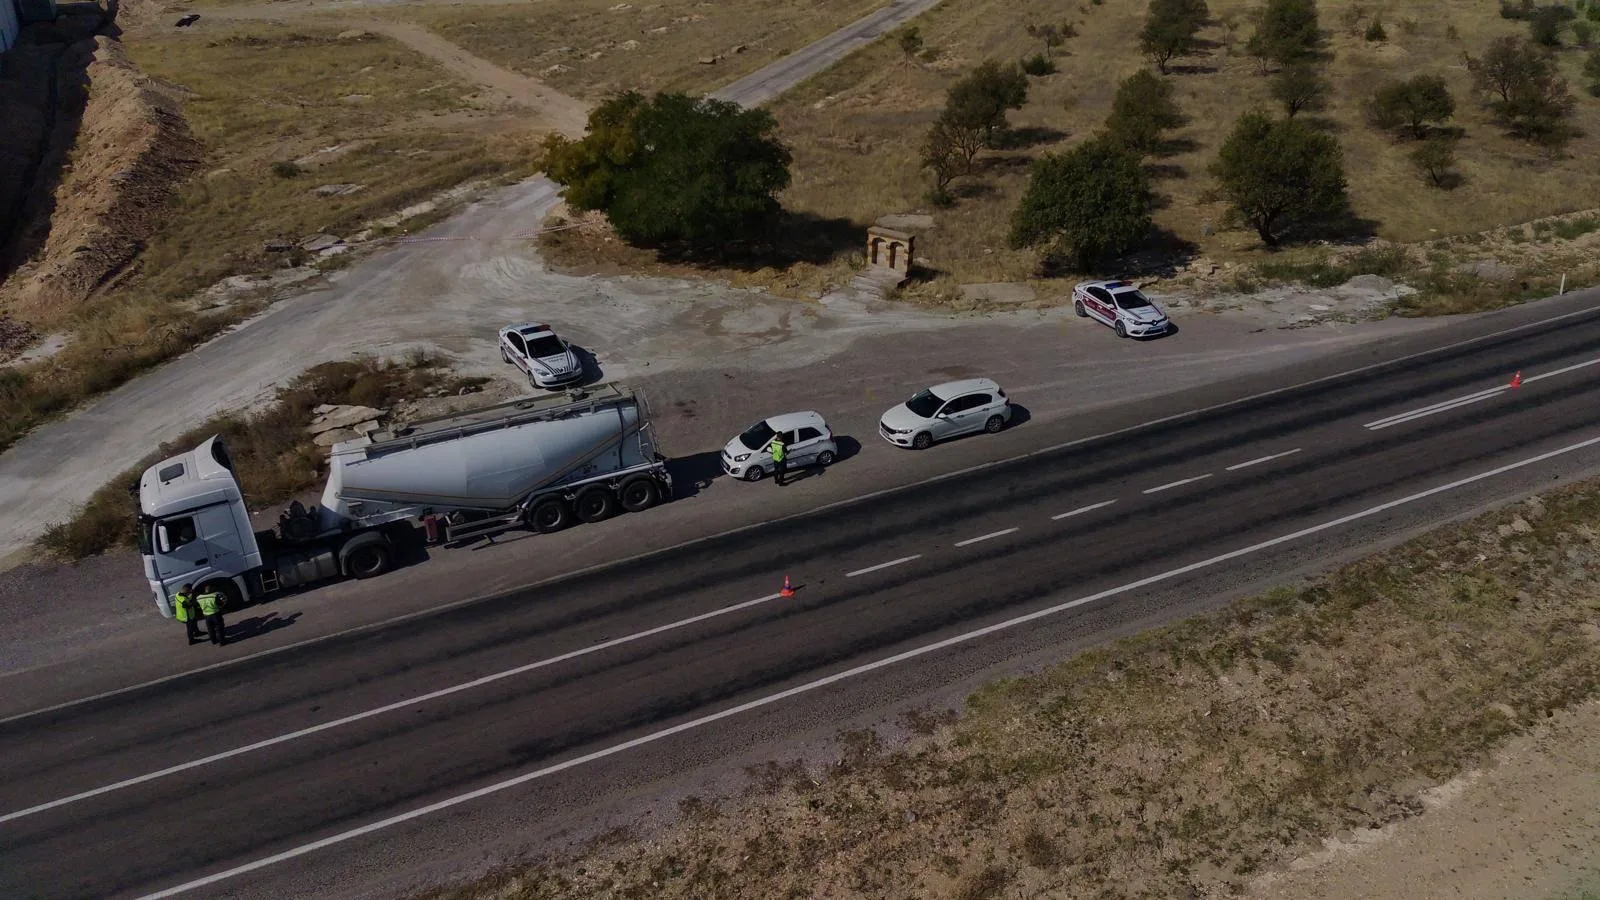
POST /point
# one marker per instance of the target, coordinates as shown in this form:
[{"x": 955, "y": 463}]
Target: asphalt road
[{"x": 1091, "y": 540}]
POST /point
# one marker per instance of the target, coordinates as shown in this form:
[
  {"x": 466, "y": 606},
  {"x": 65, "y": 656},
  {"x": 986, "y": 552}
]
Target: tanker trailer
[{"x": 541, "y": 462}]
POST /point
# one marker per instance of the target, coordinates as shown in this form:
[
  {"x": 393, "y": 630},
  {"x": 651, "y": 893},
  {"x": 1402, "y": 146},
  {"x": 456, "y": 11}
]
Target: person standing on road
[
  {"x": 780, "y": 459},
  {"x": 185, "y": 611},
  {"x": 211, "y": 607}
]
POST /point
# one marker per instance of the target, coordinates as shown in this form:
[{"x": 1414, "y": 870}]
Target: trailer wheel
[
  {"x": 596, "y": 503},
  {"x": 639, "y": 494},
  {"x": 549, "y": 515},
  {"x": 368, "y": 560}
]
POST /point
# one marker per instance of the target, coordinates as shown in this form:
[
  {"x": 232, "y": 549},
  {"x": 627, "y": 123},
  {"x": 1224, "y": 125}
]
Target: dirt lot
[
  {"x": 1202, "y": 759},
  {"x": 589, "y": 48}
]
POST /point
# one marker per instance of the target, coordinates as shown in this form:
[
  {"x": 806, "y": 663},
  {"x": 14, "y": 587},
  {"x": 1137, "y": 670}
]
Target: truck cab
[{"x": 194, "y": 527}]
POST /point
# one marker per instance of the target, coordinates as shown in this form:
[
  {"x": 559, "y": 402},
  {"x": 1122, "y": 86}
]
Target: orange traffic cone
[
  {"x": 1516, "y": 380},
  {"x": 788, "y": 589}
]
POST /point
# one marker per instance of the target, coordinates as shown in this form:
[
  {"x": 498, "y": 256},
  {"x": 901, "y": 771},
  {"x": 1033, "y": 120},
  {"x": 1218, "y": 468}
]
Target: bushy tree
[
  {"x": 1084, "y": 206},
  {"x": 674, "y": 168},
  {"x": 1411, "y": 105},
  {"x": 1436, "y": 158},
  {"x": 1278, "y": 174},
  {"x": 909, "y": 40},
  {"x": 1547, "y": 23},
  {"x": 1300, "y": 87},
  {"x": 1169, "y": 29},
  {"x": 1288, "y": 32},
  {"x": 1525, "y": 90},
  {"x": 948, "y": 153},
  {"x": 1142, "y": 110},
  {"x": 981, "y": 99},
  {"x": 1376, "y": 33}
]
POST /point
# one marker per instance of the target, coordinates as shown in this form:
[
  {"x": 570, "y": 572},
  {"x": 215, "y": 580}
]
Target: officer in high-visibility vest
[
  {"x": 185, "y": 611},
  {"x": 780, "y": 459},
  {"x": 211, "y": 607}
]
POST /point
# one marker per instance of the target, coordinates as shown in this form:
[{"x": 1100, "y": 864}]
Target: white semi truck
[{"x": 541, "y": 463}]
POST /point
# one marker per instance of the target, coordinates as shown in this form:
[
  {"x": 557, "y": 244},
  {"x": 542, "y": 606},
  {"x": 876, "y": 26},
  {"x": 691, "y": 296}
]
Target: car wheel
[
  {"x": 595, "y": 504},
  {"x": 995, "y": 424},
  {"x": 549, "y": 516},
  {"x": 754, "y": 473},
  {"x": 922, "y": 441},
  {"x": 1077, "y": 307},
  {"x": 1121, "y": 331},
  {"x": 825, "y": 458}
]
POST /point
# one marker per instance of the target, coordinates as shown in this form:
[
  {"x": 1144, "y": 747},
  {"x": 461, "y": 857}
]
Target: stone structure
[{"x": 890, "y": 252}]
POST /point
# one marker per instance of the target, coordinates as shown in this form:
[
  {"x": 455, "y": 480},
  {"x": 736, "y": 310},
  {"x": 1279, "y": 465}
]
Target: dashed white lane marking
[
  {"x": 890, "y": 563},
  {"x": 984, "y": 537},
  {"x": 1261, "y": 459},
  {"x": 1081, "y": 510},
  {"x": 400, "y": 704},
  {"x": 846, "y": 675},
  {"x": 1469, "y": 399},
  {"x": 1179, "y": 483}
]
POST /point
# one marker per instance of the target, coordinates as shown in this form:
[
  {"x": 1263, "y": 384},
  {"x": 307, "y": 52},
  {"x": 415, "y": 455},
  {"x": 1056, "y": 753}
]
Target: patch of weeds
[
  {"x": 1572, "y": 229},
  {"x": 274, "y": 458},
  {"x": 286, "y": 169},
  {"x": 1324, "y": 272},
  {"x": 986, "y": 882},
  {"x": 1036, "y": 847}
]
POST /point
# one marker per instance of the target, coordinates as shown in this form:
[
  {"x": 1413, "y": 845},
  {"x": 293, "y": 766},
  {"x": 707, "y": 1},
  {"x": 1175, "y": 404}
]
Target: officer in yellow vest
[
  {"x": 185, "y": 611},
  {"x": 780, "y": 459},
  {"x": 211, "y": 607}
]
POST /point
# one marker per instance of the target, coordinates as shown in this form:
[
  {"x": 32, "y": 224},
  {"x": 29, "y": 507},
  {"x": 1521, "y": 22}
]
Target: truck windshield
[{"x": 756, "y": 436}]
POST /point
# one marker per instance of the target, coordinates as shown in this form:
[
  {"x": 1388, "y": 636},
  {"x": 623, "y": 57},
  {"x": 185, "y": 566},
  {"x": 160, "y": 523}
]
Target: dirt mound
[{"x": 132, "y": 149}]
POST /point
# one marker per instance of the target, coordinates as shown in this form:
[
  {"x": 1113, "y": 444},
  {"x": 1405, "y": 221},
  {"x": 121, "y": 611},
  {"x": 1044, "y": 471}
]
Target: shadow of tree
[
  {"x": 796, "y": 237},
  {"x": 1029, "y": 136}
]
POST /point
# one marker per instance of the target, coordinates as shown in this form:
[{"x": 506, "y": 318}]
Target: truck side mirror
[{"x": 163, "y": 541}]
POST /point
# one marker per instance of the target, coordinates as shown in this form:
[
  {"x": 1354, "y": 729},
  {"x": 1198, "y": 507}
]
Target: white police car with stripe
[{"x": 1122, "y": 306}]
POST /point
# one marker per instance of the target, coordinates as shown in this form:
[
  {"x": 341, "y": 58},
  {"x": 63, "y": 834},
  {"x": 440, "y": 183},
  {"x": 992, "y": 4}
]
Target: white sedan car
[
  {"x": 945, "y": 411},
  {"x": 1122, "y": 306},
  {"x": 548, "y": 360}
]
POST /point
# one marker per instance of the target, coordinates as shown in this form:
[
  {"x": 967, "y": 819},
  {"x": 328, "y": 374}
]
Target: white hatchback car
[
  {"x": 1122, "y": 306},
  {"x": 548, "y": 360},
  {"x": 944, "y": 411},
  {"x": 806, "y": 438}
]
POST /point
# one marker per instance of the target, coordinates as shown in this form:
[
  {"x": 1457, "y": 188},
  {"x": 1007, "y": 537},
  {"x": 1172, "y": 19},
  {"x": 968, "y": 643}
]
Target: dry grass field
[
  {"x": 1180, "y": 763},
  {"x": 589, "y": 48},
  {"x": 856, "y": 129}
]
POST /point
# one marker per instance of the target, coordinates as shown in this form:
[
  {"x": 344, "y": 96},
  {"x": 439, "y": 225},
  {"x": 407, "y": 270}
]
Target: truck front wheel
[
  {"x": 549, "y": 515},
  {"x": 368, "y": 560}
]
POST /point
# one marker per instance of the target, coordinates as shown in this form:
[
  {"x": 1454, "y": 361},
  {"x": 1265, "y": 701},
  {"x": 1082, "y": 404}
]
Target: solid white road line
[
  {"x": 1469, "y": 399},
  {"x": 836, "y": 504},
  {"x": 1081, "y": 510},
  {"x": 1261, "y": 459},
  {"x": 1179, "y": 483},
  {"x": 892, "y": 562},
  {"x": 400, "y": 704},
  {"x": 985, "y": 537},
  {"x": 848, "y": 674}
]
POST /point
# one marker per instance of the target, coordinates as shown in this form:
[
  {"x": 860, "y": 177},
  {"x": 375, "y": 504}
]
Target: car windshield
[
  {"x": 756, "y": 436},
  {"x": 925, "y": 403},
  {"x": 545, "y": 345},
  {"x": 1132, "y": 300}
]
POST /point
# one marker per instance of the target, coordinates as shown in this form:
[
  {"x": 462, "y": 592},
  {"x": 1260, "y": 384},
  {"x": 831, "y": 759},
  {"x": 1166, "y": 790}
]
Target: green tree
[
  {"x": 1436, "y": 158},
  {"x": 1525, "y": 91},
  {"x": 1300, "y": 87},
  {"x": 1169, "y": 29},
  {"x": 909, "y": 40},
  {"x": 1280, "y": 174},
  {"x": 1086, "y": 205},
  {"x": 1547, "y": 24},
  {"x": 1376, "y": 33},
  {"x": 948, "y": 154},
  {"x": 981, "y": 99},
  {"x": 1287, "y": 32},
  {"x": 1142, "y": 110},
  {"x": 1411, "y": 105},
  {"x": 675, "y": 168}
]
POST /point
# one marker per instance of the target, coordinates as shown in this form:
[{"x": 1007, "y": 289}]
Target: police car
[
  {"x": 1122, "y": 306},
  {"x": 548, "y": 360}
]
